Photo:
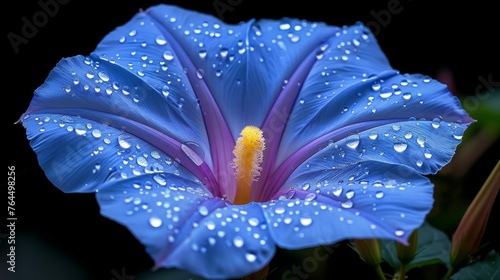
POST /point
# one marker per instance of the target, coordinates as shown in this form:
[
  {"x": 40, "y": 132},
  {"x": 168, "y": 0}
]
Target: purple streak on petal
[
  {"x": 276, "y": 121},
  {"x": 166, "y": 144},
  {"x": 220, "y": 138},
  {"x": 275, "y": 182}
]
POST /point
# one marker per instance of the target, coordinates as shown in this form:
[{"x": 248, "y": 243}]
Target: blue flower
[{"x": 214, "y": 143}]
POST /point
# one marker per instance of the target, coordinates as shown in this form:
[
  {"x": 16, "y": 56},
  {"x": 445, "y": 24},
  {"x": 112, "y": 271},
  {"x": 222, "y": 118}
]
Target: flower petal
[
  {"x": 353, "y": 85},
  {"x": 352, "y": 90},
  {"x": 82, "y": 155},
  {"x": 365, "y": 200},
  {"x": 235, "y": 61},
  {"x": 182, "y": 226},
  {"x": 230, "y": 242}
]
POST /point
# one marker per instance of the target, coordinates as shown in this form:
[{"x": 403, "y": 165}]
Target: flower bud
[
  {"x": 369, "y": 251},
  {"x": 468, "y": 235}
]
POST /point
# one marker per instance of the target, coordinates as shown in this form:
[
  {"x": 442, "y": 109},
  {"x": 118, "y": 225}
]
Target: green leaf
[
  {"x": 487, "y": 269},
  {"x": 433, "y": 247}
]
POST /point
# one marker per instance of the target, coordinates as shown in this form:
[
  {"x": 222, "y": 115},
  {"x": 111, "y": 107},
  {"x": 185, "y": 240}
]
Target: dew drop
[
  {"x": 421, "y": 139},
  {"x": 80, "y": 129},
  {"x": 436, "y": 122},
  {"x": 165, "y": 90},
  {"x": 400, "y": 146},
  {"x": 202, "y": 54},
  {"x": 347, "y": 204},
  {"x": 337, "y": 192},
  {"x": 399, "y": 232},
  {"x": 373, "y": 135},
  {"x": 458, "y": 133},
  {"x": 352, "y": 141},
  {"x": 305, "y": 221},
  {"x": 253, "y": 222},
  {"x": 427, "y": 154},
  {"x": 199, "y": 73},
  {"x": 386, "y": 92},
  {"x": 124, "y": 140},
  {"x": 407, "y": 95},
  {"x": 279, "y": 210},
  {"x": 310, "y": 197},
  {"x": 349, "y": 194},
  {"x": 250, "y": 257},
  {"x": 142, "y": 161},
  {"x": 168, "y": 55},
  {"x": 160, "y": 179},
  {"x": 160, "y": 40},
  {"x": 408, "y": 135},
  {"x": 203, "y": 210},
  {"x": 210, "y": 225},
  {"x": 379, "y": 194},
  {"x": 103, "y": 76},
  {"x": 194, "y": 152},
  {"x": 238, "y": 241},
  {"x": 155, "y": 221}
]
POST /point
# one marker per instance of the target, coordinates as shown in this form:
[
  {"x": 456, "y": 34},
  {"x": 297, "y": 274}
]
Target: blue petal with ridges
[
  {"x": 354, "y": 84},
  {"x": 230, "y": 242},
  {"x": 364, "y": 200},
  {"x": 424, "y": 145},
  {"x": 97, "y": 85},
  {"x": 82, "y": 155},
  {"x": 235, "y": 61}
]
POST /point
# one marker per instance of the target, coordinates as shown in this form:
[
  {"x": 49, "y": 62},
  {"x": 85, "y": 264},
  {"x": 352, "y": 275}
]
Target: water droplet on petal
[
  {"x": 165, "y": 90},
  {"x": 373, "y": 135},
  {"x": 279, "y": 210},
  {"x": 386, "y": 92},
  {"x": 168, "y": 55},
  {"x": 436, "y": 122},
  {"x": 305, "y": 221},
  {"x": 253, "y": 222},
  {"x": 203, "y": 210},
  {"x": 337, "y": 192},
  {"x": 160, "y": 179},
  {"x": 399, "y": 232},
  {"x": 347, "y": 204},
  {"x": 310, "y": 196},
  {"x": 458, "y": 133},
  {"x": 379, "y": 194},
  {"x": 160, "y": 40},
  {"x": 155, "y": 221},
  {"x": 103, "y": 76},
  {"x": 407, "y": 95},
  {"x": 124, "y": 140},
  {"x": 408, "y": 135},
  {"x": 193, "y": 151},
  {"x": 349, "y": 194},
  {"x": 250, "y": 257},
  {"x": 80, "y": 129},
  {"x": 400, "y": 146},
  {"x": 210, "y": 225},
  {"x": 352, "y": 141},
  {"x": 238, "y": 241}
]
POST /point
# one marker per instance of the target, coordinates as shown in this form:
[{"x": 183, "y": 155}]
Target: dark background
[{"x": 62, "y": 236}]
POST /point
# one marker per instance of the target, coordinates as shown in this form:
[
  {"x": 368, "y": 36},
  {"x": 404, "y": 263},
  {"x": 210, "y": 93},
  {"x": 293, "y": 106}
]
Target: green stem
[
  {"x": 380, "y": 273},
  {"x": 402, "y": 272},
  {"x": 449, "y": 273}
]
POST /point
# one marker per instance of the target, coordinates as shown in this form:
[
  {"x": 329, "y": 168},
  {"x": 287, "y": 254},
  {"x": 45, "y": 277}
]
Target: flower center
[{"x": 248, "y": 155}]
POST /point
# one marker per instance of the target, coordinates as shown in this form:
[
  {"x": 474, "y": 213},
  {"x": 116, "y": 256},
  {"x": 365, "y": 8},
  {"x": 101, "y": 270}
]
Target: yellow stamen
[{"x": 248, "y": 153}]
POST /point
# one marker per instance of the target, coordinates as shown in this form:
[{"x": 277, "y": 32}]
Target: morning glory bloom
[{"x": 215, "y": 143}]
